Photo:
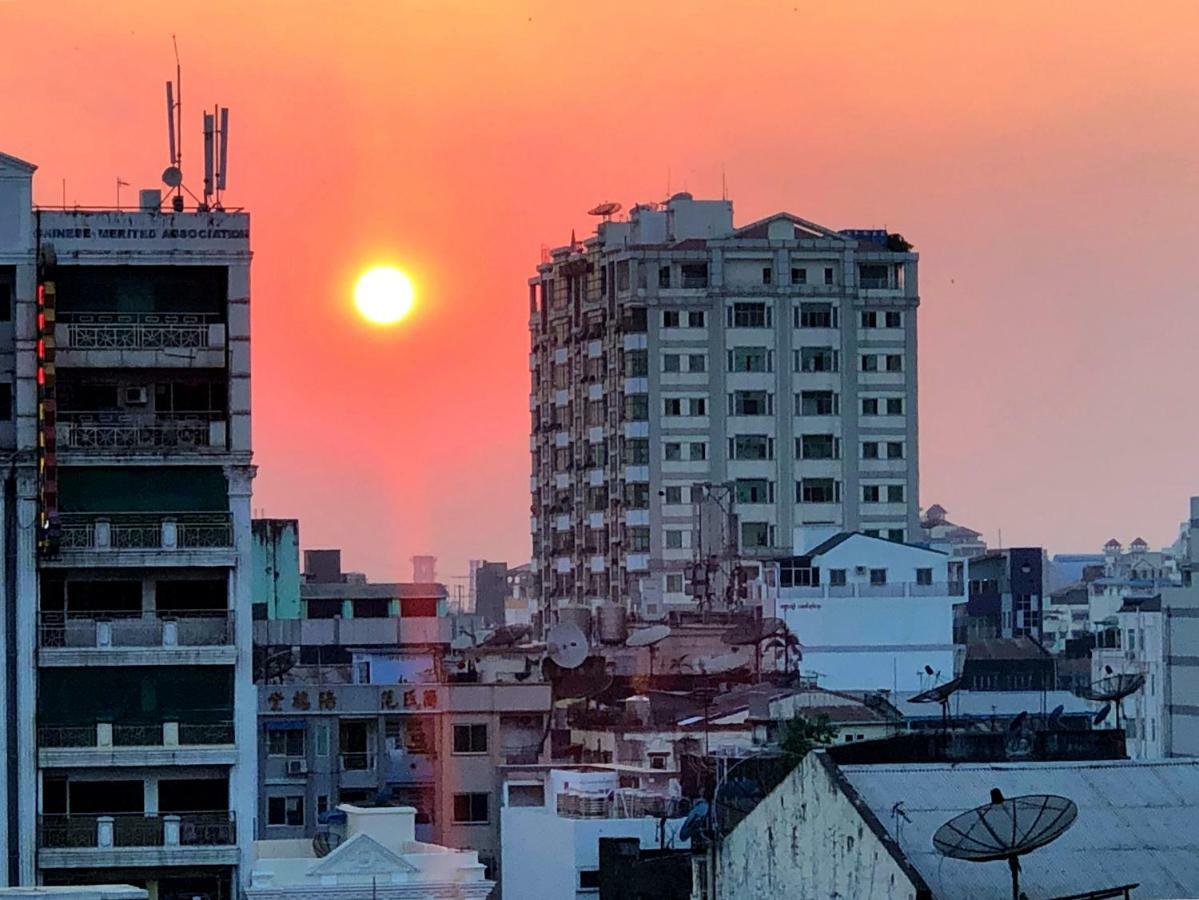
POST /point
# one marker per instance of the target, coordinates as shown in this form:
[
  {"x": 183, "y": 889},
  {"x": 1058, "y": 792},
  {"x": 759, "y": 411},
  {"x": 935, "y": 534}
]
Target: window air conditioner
[
  {"x": 860, "y": 570},
  {"x": 297, "y": 767},
  {"x": 136, "y": 396}
]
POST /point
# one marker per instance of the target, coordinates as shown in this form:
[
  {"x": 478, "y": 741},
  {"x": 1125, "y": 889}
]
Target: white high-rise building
[
  {"x": 128, "y": 699},
  {"x": 701, "y": 390}
]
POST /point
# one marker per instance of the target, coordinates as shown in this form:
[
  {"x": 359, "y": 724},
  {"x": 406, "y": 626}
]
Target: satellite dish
[
  {"x": 693, "y": 825},
  {"x": 1055, "y": 717},
  {"x": 1113, "y": 689},
  {"x": 329, "y": 837},
  {"x": 648, "y": 637},
  {"x": 1006, "y": 829},
  {"x": 717, "y": 665},
  {"x": 567, "y": 645},
  {"x": 172, "y": 176},
  {"x": 1102, "y": 714},
  {"x": 605, "y": 209},
  {"x": 939, "y": 694},
  {"x": 506, "y": 636}
]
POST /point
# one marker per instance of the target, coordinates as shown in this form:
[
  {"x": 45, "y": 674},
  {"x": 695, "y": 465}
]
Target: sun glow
[{"x": 383, "y": 295}]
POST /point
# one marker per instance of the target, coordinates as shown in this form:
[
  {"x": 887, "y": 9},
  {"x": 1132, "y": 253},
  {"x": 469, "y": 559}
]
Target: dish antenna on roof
[
  {"x": 693, "y": 825},
  {"x": 1113, "y": 689},
  {"x": 506, "y": 636},
  {"x": 753, "y": 633},
  {"x": 567, "y": 645},
  {"x": 462, "y": 642},
  {"x": 939, "y": 694},
  {"x": 1006, "y": 829},
  {"x": 1102, "y": 714},
  {"x": 607, "y": 210},
  {"x": 649, "y": 637}
]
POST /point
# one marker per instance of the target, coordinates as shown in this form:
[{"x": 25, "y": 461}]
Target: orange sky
[{"x": 1042, "y": 158}]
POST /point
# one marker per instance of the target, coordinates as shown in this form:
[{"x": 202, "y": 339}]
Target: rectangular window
[
  {"x": 672, "y": 406},
  {"x": 636, "y": 407},
  {"x": 894, "y": 362},
  {"x": 750, "y": 315},
  {"x": 674, "y": 539},
  {"x": 589, "y": 879},
  {"x": 749, "y": 359},
  {"x": 818, "y": 403},
  {"x": 671, "y": 362},
  {"x": 751, "y": 403},
  {"x": 286, "y": 811},
  {"x": 636, "y": 364},
  {"x": 751, "y": 446},
  {"x": 755, "y": 535},
  {"x": 470, "y": 809},
  {"x": 814, "y": 315},
  {"x": 697, "y": 362},
  {"x": 6, "y": 295},
  {"x": 698, "y": 451},
  {"x": 817, "y": 359},
  {"x": 828, "y": 275},
  {"x": 754, "y": 490},
  {"x": 817, "y": 490},
  {"x": 836, "y": 577},
  {"x": 767, "y": 274},
  {"x": 869, "y": 450},
  {"x": 639, "y": 540},
  {"x": 695, "y": 318},
  {"x": 5, "y": 401},
  {"x": 636, "y": 495},
  {"x": 670, "y": 318},
  {"x": 924, "y": 576},
  {"x": 894, "y": 320},
  {"x": 869, "y": 362},
  {"x": 869, "y": 318},
  {"x": 895, "y": 406},
  {"x": 799, "y": 275},
  {"x": 698, "y": 406},
  {"x": 878, "y": 576},
  {"x": 672, "y": 451},
  {"x": 673, "y": 494},
  {"x": 871, "y": 493},
  {"x": 470, "y": 738},
  {"x": 636, "y": 451},
  {"x": 674, "y": 583},
  {"x": 664, "y": 277},
  {"x": 817, "y": 446},
  {"x": 870, "y": 406},
  {"x": 894, "y": 449},
  {"x": 895, "y": 534},
  {"x": 695, "y": 275},
  {"x": 895, "y": 493},
  {"x": 287, "y": 742}
]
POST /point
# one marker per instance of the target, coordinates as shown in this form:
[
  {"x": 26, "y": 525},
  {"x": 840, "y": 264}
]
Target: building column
[
  {"x": 243, "y": 777},
  {"x": 25, "y": 753}
]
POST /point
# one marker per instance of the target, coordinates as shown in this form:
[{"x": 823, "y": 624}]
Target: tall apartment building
[
  {"x": 128, "y": 695},
  {"x": 774, "y": 363}
]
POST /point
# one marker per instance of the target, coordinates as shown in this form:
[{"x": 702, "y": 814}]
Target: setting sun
[{"x": 383, "y": 295}]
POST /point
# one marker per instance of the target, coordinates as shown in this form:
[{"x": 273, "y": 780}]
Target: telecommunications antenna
[
  {"x": 567, "y": 645},
  {"x": 939, "y": 694},
  {"x": 649, "y": 637},
  {"x": 1006, "y": 829},
  {"x": 1113, "y": 689}
]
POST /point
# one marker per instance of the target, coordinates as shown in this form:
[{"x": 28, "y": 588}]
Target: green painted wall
[{"x": 275, "y": 567}]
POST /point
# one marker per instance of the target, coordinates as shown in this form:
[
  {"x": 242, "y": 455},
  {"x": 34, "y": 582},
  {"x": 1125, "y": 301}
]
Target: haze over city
[{"x": 1044, "y": 171}]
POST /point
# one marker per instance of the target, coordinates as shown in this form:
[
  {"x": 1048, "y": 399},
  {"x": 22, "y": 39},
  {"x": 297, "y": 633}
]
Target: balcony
[
  {"x": 191, "y": 637},
  {"x": 894, "y": 589},
  {"x": 108, "y": 744},
  {"x": 123, "y": 435},
  {"x": 137, "y": 839},
  {"x": 142, "y": 340},
  {"x": 164, "y": 539}
]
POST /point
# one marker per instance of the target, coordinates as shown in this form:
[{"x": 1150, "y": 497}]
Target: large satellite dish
[
  {"x": 1113, "y": 689},
  {"x": 567, "y": 645},
  {"x": 607, "y": 210},
  {"x": 649, "y": 637},
  {"x": 1006, "y": 829},
  {"x": 939, "y": 694}
]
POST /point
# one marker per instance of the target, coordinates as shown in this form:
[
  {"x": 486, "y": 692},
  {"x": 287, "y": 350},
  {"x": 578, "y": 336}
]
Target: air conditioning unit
[
  {"x": 860, "y": 570},
  {"x": 136, "y": 396},
  {"x": 297, "y": 767}
]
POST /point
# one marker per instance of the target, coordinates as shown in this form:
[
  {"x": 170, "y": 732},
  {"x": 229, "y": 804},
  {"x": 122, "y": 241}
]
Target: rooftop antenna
[
  {"x": 649, "y": 637},
  {"x": 172, "y": 176},
  {"x": 1113, "y": 689},
  {"x": 209, "y": 157},
  {"x": 939, "y": 694},
  {"x": 567, "y": 645},
  {"x": 724, "y": 184},
  {"x": 1006, "y": 829}
]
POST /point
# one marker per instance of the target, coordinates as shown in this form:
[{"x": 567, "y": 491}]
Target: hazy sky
[{"x": 1041, "y": 157}]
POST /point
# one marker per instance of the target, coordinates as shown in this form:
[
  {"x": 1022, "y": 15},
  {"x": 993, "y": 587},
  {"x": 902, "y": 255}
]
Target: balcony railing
[
  {"x": 124, "y": 434},
  {"x": 107, "y": 735},
  {"x": 895, "y": 589},
  {"x": 183, "y": 628},
  {"x": 196, "y": 829},
  {"x": 128, "y": 531},
  {"x": 132, "y": 331},
  {"x": 356, "y": 762}
]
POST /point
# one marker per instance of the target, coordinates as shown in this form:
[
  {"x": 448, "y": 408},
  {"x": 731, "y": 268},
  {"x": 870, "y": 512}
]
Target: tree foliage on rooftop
[{"x": 800, "y": 735}]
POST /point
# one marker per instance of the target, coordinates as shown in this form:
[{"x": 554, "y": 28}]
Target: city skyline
[{"x": 1013, "y": 204}]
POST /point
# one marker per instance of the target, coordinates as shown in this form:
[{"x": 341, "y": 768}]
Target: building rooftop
[
  {"x": 1135, "y": 824},
  {"x": 1005, "y": 649},
  {"x": 1004, "y": 704}
]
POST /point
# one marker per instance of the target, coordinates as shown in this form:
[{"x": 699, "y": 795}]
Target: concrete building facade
[
  {"x": 700, "y": 389},
  {"x": 127, "y": 597}
]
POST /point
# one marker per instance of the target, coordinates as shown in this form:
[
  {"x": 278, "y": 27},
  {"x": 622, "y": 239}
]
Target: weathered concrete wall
[{"x": 807, "y": 839}]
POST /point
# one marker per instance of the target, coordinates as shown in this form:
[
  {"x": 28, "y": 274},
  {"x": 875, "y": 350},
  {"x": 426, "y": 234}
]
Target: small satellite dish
[
  {"x": 462, "y": 642},
  {"x": 567, "y": 645},
  {"x": 172, "y": 176},
  {"x": 1006, "y": 829},
  {"x": 647, "y": 637},
  {"x": 1055, "y": 717},
  {"x": 1102, "y": 714},
  {"x": 693, "y": 825},
  {"x": 605, "y": 209},
  {"x": 506, "y": 636}
]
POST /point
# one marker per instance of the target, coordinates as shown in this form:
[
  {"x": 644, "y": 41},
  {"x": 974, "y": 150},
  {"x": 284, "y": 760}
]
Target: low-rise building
[
  {"x": 955, "y": 541},
  {"x": 1137, "y": 647},
  {"x": 1007, "y": 591}
]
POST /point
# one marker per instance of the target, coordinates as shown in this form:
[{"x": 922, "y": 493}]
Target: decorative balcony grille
[
  {"x": 119, "y": 331},
  {"x": 117, "y": 437},
  {"x": 125, "y": 531},
  {"x": 205, "y": 734}
]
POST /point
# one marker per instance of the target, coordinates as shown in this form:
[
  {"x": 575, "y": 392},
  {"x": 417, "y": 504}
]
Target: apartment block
[
  {"x": 700, "y": 389},
  {"x": 129, "y": 702}
]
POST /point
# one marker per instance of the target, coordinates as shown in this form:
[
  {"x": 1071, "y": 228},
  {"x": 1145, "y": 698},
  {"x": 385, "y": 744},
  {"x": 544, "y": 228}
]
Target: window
[
  {"x": 870, "y": 450},
  {"x": 870, "y": 406},
  {"x": 924, "y": 576},
  {"x": 674, "y": 583},
  {"x": 815, "y": 315},
  {"x": 287, "y": 742},
  {"x": 869, "y": 319},
  {"x": 818, "y": 403},
  {"x": 470, "y": 809},
  {"x": 895, "y": 406},
  {"x": 697, "y": 362},
  {"x": 674, "y": 539},
  {"x": 5, "y": 400},
  {"x": 817, "y": 446},
  {"x": 695, "y": 318},
  {"x": 755, "y": 535},
  {"x": 658, "y": 760},
  {"x": 754, "y": 490},
  {"x": 751, "y": 403},
  {"x": 695, "y": 275},
  {"x": 636, "y": 407},
  {"x": 670, "y": 362},
  {"x": 6, "y": 295},
  {"x": 894, "y": 362},
  {"x": 589, "y": 879},
  {"x": 873, "y": 276},
  {"x": 673, "y": 452},
  {"x": 895, "y": 493},
  {"x": 673, "y": 494},
  {"x": 878, "y": 576},
  {"x": 751, "y": 446},
  {"x": 818, "y": 490},
  {"x": 639, "y": 540},
  {"x": 767, "y": 274},
  {"x": 670, "y": 318},
  {"x": 749, "y": 359},
  {"x": 869, "y": 362},
  {"x": 672, "y": 406},
  {"x": 895, "y": 534},
  {"x": 828, "y": 275},
  {"x": 799, "y": 275},
  {"x": 894, "y": 449},
  {"x": 894, "y": 320},
  {"x": 836, "y": 577},
  {"x": 322, "y": 738},
  {"x": 817, "y": 359},
  {"x": 664, "y": 277},
  {"x": 636, "y": 451},
  {"x": 636, "y": 495},
  {"x": 636, "y": 364},
  {"x": 286, "y": 811},
  {"x": 871, "y": 493},
  {"x": 698, "y": 451},
  {"x": 322, "y": 804},
  {"x": 749, "y": 315},
  {"x": 699, "y": 406},
  {"x": 470, "y": 738}
]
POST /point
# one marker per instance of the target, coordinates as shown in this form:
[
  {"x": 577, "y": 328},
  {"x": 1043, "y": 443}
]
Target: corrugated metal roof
[{"x": 1136, "y": 823}]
